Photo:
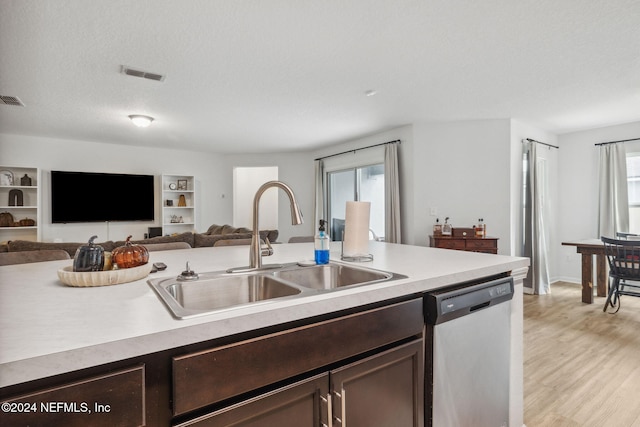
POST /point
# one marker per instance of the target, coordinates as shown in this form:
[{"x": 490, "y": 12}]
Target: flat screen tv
[{"x": 101, "y": 197}]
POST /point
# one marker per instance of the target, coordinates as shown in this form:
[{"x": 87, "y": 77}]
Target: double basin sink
[{"x": 216, "y": 291}]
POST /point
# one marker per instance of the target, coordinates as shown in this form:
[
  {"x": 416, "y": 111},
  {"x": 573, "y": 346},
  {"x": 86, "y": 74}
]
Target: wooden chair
[
  {"x": 624, "y": 270},
  {"x": 25, "y": 257},
  {"x": 627, "y": 236}
]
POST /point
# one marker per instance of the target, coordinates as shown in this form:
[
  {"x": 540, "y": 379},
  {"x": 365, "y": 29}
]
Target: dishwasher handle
[{"x": 443, "y": 306}]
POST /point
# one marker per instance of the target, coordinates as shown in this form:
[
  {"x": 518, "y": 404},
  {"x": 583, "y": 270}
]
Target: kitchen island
[{"x": 52, "y": 333}]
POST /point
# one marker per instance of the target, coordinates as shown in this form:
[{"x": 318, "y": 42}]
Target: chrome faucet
[{"x": 256, "y": 250}]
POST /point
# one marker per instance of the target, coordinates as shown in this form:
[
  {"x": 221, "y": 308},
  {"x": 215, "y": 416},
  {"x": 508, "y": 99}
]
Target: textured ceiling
[{"x": 283, "y": 75}]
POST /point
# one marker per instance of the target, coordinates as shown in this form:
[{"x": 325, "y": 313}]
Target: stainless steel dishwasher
[{"x": 468, "y": 353}]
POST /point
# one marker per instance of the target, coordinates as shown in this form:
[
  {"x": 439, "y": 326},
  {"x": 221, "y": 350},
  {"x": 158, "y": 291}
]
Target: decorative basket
[{"x": 103, "y": 278}]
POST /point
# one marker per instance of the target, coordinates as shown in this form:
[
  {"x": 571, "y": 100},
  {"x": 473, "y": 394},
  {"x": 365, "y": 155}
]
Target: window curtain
[
  {"x": 535, "y": 232},
  {"x": 392, "y": 194},
  {"x": 613, "y": 211},
  {"x": 320, "y": 203}
]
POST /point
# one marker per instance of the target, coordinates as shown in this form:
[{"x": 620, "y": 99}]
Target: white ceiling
[{"x": 283, "y": 75}]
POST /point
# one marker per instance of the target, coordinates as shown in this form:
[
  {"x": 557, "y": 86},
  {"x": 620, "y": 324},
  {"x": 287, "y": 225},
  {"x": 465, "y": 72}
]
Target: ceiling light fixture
[
  {"x": 370, "y": 93},
  {"x": 141, "y": 121}
]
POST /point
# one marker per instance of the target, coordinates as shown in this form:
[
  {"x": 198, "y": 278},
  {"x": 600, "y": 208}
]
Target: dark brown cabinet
[
  {"x": 473, "y": 244},
  {"x": 383, "y": 390},
  {"x": 110, "y": 400}
]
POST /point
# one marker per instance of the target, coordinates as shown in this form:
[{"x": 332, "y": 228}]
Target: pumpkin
[
  {"x": 129, "y": 255},
  {"x": 89, "y": 257},
  {"x": 6, "y": 219}
]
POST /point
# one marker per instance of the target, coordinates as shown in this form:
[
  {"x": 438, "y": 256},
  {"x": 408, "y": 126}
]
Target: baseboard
[{"x": 576, "y": 280}]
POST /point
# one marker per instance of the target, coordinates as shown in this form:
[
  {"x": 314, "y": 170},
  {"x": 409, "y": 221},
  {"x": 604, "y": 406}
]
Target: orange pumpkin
[{"x": 129, "y": 255}]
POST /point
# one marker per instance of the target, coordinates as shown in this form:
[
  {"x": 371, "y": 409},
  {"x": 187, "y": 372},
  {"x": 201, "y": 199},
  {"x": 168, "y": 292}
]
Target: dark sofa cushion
[
  {"x": 69, "y": 247},
  {"x": 205, "y": 240},
  {"x": 227, "y": 230},
  {"x": 186, "y": 237}
]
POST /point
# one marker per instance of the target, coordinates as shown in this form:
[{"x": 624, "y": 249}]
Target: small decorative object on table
[
  {"x": 89, "y": 257},
  {"x": 182, "y": 201},
  {"x": 446, "y": 227},
  {"x": 168, "y": 202},
  {"x": 129, "y": 255},
  {"x": 172, "y": 186},
  {"x": 182, "y": 184},
  {"x": 437, "y": 228},
  {"x": 25, "y": 181}
]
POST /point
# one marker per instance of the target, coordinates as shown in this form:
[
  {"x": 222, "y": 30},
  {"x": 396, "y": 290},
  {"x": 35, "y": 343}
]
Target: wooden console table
[
  {"x": 588, "y": 248},
  {"x": 473, "y": 244}
]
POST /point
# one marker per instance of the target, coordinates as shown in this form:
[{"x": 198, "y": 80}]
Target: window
[
  {"x": 633, "y": 188},
  {"x": 365, "y": 183},
  {"x": 633, "y": 179}
]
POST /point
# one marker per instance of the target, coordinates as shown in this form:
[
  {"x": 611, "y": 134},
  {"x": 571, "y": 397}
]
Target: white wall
[
  {"x": 57, "y": 154},
  {"x": 462, "y": 169},
  {"x": 578, "y": 190},
  {"x": 246, "y": 182}
]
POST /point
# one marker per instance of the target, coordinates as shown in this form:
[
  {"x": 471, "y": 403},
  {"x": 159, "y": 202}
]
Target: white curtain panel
[
  {"x": 613, "y": 212},
  {"x": 535, "y": 232},
  {"x": 392, "y": 194}
]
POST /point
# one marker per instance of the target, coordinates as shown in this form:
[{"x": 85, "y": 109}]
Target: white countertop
[{"x": 47, "y": 328}]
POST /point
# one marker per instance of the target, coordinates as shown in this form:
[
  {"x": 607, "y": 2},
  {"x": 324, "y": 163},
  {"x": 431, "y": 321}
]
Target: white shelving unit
[
  {"x": 11, "y": 179},
  {"x": 176, "y": 218}
]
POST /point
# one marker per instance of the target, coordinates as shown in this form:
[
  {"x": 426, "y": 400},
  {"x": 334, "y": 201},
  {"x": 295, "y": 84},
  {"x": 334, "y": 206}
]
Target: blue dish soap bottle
[{"x": 322, "y": 245}]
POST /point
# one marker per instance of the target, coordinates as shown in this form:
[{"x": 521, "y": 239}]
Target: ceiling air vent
[
  {"x": 11, "y": 100},
  {"x": 143, "y": 74}
]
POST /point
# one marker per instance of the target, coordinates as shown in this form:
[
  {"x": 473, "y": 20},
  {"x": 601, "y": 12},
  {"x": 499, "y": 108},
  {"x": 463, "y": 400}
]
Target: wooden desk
[{"x": 588, "y": 248}]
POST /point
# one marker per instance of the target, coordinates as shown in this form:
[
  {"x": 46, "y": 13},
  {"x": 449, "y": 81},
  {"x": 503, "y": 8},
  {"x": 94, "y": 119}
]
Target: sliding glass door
[{"x": 365, "y": 184}]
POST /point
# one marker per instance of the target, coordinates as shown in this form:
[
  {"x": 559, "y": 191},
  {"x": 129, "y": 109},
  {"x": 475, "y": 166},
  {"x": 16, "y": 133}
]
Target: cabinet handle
[
  {"x": 329, "y": 409},
  {"x": 343, "y": 399}
]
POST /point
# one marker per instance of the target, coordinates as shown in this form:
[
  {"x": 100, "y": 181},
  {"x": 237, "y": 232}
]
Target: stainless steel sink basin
[
  {"x": 216, "y": 291},
  {"x": 331, "y": 276},
  {"x": 207, "y": 293}
]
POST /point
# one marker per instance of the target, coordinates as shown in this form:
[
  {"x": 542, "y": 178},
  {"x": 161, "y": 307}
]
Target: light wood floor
[{"x": 581, "y": 366}]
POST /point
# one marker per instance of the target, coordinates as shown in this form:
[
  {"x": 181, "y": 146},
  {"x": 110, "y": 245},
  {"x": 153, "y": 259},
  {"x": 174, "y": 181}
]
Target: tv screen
[{"x": 101, "y": 197}]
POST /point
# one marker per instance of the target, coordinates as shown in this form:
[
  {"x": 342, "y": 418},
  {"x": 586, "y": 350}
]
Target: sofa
[{"x": 196, "y": 240}]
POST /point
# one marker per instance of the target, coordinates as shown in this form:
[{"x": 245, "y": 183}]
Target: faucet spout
[{"x": 255, "y": 256}]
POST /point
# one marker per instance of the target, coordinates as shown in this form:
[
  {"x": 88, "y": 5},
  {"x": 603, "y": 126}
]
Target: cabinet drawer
[
  {"x": 481, "y": 244},
  {"x": 209, "y": 376},
  {"x": 450, "y": 243},
  {"x": 114, "y": 399}
]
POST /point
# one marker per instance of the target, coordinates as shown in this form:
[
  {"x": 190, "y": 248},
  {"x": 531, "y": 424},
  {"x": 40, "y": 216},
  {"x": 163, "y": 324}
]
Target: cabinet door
[
  {"x": 302, "y": 404},
  {"x": 384, "y": 390},
  {"x": 116, "y": 399}
]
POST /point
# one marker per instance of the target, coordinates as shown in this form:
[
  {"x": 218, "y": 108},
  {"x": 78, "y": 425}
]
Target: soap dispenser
[{"x": 322, "y": 245}]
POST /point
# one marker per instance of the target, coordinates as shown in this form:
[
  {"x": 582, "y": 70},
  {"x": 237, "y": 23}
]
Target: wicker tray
[{"x": 103, "y": 278}]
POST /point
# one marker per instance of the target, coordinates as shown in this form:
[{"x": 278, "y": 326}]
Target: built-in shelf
[
  {"x": 178, "y": 204},
  {"x": 19, "y": 186}
]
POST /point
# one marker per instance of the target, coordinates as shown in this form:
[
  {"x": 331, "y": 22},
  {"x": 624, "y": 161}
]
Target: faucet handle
[{"x": 268, "y": 250}]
